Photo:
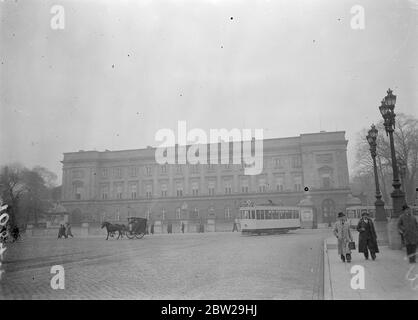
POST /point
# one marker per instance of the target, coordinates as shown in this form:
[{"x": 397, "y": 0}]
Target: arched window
[
  {"x": 195, "y": 188},
  {"x": 227, "y": 213},
  {"x": 134, "y": 191},
  {"x": 262, "y": 186},
  {"x": 78, "y": 190},
  {"x": 195, "y": 213},
  {"x": 325, "y": 176},
  {"x": 164, "y": 190},
  {"x": 179, "y": 189},
  {"x": 211, "y": 188},
  {"x": 119, "y": 191}
]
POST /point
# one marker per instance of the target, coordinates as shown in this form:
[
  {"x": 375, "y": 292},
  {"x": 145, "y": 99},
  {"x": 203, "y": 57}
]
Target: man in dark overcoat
[
  {"x": 367, "y": 239},
  {"x": 408, "y": 227}
]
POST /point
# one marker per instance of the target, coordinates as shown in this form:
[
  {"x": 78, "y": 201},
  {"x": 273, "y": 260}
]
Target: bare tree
[
  {"x": 27, "y": 192},
  {"x": 12, "y": 188},
  {"x": 406, "y": 146},
  {"x": 49, "y": 177}
]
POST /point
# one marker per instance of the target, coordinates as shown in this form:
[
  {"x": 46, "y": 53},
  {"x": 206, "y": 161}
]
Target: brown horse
[{"x": 112, "y": 228}]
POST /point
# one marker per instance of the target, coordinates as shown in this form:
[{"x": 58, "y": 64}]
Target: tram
[
  {"x": 354, "y": 213},
  {"x": 269, "y": 219}
]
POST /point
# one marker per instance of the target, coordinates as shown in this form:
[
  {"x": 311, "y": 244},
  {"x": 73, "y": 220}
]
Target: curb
[{"x": 328, "y": 291}]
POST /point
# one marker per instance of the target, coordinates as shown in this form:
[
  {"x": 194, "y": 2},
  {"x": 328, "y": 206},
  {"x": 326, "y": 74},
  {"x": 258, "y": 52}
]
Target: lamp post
[
  {"x": 398, "y": 198},
  {"x": 402, "y": 171},
  {"x": 380, "y": 216}
]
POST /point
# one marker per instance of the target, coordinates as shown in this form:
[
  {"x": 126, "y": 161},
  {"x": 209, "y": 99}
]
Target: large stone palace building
[{"x": 112, "y": 185}]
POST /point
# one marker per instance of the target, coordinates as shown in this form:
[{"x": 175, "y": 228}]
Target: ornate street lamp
[
  {"x": 398, "y": 198},
  {"x": 402, "y": 172},
  {"x": 380, "y": 216}
]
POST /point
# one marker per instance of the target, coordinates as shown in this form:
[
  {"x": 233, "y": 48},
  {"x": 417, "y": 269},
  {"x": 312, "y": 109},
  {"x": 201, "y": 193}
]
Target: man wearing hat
[
  {"x": 367, "y": 239},
  {"x": 408, "y": 228},
  {"x": 343, "y": 234}
]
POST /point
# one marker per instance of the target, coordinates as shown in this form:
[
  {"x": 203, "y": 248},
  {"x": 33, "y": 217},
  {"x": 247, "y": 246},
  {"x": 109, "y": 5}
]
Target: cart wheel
[
  {"x": 130, "y": 235},
  {"x": 140, "y": 235}
]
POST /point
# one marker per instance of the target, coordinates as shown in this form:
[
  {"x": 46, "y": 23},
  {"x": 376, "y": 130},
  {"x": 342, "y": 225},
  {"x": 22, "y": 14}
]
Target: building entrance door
[{"x": 328, "y": 211}]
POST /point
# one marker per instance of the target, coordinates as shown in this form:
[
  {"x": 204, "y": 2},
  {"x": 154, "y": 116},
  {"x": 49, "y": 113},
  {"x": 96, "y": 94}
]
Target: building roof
[{"x": 296, "y": 142}]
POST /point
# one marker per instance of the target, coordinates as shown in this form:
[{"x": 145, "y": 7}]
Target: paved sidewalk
[{"x": 384, "y": 279}]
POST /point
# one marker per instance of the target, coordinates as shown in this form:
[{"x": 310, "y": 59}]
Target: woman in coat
[
  {"x": 367, "y": 239},
  {"x": 343, "y": 234}
]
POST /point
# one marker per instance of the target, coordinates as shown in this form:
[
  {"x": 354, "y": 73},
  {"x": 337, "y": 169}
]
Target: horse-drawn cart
[{"x": 136, "y": 227}]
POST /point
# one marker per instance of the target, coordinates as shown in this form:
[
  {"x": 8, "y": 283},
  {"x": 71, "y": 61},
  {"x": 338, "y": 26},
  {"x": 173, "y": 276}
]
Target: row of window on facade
[
  {"x": 179, "y": 214},
  {"x": 148, "y": 189},
  {"x": 326, "y": 183},
  {"x": 148, "y": 170}
]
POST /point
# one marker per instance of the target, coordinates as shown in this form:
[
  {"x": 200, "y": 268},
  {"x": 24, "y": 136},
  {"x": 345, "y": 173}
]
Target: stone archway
[{"x": 328, "y": 211}]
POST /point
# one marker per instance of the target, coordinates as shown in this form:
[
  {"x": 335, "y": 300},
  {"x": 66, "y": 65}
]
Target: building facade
[{"x": 113, "y": 185}]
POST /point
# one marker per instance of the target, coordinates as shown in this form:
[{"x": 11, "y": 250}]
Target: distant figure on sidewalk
[
  {"x": 408, "y": 227},
  {"x": 367, "y": 239},
  {"x": 61, "y": 232},
  {"x": 68, "y": 230},
  {"x": 169, "y": 228},
  {"x": 343, "y": 234},
  {"x": 182, "y": 227},
  {"x": 235, "y": 227},
  {"x": 152, "y": 229}
]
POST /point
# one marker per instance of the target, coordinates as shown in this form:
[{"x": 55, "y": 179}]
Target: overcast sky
[{"x": 121, "y": 70}]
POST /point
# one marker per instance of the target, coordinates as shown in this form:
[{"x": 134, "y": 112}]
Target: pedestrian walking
[
  {"x": 61, "y": 232},
  {"x": 182, "y": 227},
  {"x": 68, "y": 230},
  {"x": 408, "y": 228},
  {"x": 343, "y": 234},
  {"x": 367, "y": 239},
  {"x": 152, "y": 229}
]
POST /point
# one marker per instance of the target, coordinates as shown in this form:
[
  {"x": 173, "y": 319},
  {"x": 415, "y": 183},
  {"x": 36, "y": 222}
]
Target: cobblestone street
[{"x": 178, "y": 266}]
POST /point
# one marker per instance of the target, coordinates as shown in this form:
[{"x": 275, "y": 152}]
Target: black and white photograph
[{"x": 208, "y": 150}]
